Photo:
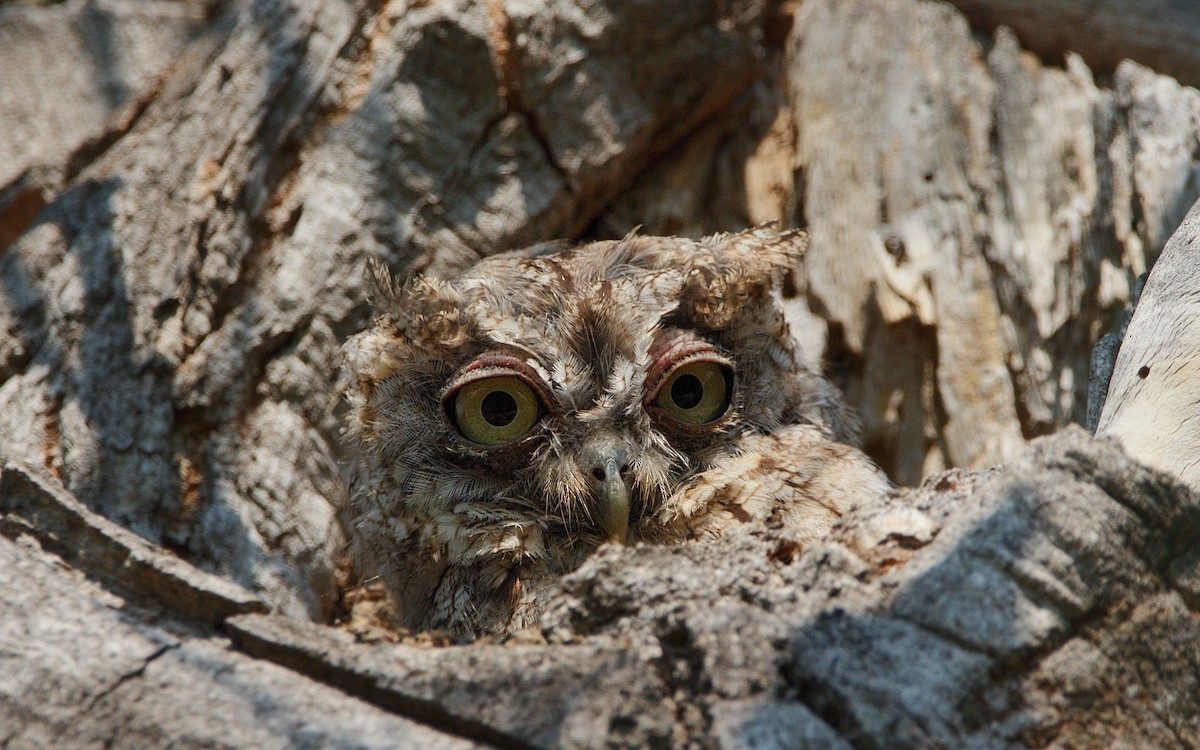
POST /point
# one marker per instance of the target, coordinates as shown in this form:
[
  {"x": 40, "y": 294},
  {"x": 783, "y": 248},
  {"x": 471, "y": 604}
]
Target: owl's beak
[
  {"x": 613, "y": 494},
  {"x": 607, "y": 461}
]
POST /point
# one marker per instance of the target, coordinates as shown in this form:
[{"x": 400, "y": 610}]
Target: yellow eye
[
  {"x": 495, "y": 411},
  {"x": 696, "y": 393}
]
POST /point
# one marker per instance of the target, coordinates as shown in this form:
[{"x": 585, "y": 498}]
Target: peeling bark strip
[
  {"x": 93, "y": 669},
  {"x": 33, "y": 504},
  {"x": 1152, "y": 399},
  {"x": 395, "y": 685}
]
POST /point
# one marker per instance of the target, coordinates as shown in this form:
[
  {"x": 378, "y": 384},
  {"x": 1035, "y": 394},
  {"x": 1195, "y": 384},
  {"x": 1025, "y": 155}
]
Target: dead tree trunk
[
  {"x": 174, "y": 316},
  {"x": 978, "y": 215},
  {"x": 183, "y": 228}
]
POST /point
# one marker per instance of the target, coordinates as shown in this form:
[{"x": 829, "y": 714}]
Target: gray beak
[{"x": 606, "y": 460}]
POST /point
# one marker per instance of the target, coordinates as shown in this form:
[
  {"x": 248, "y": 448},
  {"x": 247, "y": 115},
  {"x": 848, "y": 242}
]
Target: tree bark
[
  {"x": 181, "y": 256},
  {"x": 1160, "y": 34},
  {"x": 76, "y": 76},
  {"x": 137, "y": 662},
  {"x": 1050, "y": 603},
  {"x": 978, "y": 216},
  {"x": 175, "y": 314}
]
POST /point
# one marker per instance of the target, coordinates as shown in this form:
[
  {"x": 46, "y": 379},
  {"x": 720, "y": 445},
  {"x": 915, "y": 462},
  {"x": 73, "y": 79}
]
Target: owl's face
[
  {"x": 546, "y": 401},
  {"x": 603, "y": 439}
]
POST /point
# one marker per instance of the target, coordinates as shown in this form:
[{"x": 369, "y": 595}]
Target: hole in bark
[
  {"x": 895, "y": 247},
  {"x": 1144, "y": 372},
  {"x": 165, "y": 310}
]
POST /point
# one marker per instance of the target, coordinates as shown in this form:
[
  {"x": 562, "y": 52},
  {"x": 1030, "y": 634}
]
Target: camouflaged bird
[{"x": 509, "y": 420}]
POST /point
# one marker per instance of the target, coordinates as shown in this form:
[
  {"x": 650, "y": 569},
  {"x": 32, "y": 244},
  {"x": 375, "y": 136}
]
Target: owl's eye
[
  {"x": 495, "y": 411},
  {"x": 697, "y": 393}
]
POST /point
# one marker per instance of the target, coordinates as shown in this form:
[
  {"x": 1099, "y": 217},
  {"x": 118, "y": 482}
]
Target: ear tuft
[{"x": 382, "y": 288}]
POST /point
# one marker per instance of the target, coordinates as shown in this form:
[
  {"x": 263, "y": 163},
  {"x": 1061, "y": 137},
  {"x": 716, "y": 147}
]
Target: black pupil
[
  {"x": 686, "y": 391},
  {"x": 499, "y": 408}
]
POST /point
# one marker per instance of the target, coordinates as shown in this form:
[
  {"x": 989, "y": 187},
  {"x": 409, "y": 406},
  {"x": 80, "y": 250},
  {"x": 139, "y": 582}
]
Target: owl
[{"x": 506, "y": 422}]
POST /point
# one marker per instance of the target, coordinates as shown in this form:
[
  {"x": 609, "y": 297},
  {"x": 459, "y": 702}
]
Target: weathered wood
[
  {"x": 511, "y": 695},
  {"x": 1018, "y": 607},
  {"x": 76, "y": 75},
  {"x": 1022, "y": 606},
  {"x": 978, "y": 216},
  {"x": 985, "y": 610},
  {"x": 84, "y": 667},
  {"x": 1151, "y": 405},
  {"x": 34, "y": 504},
  {"x": 173, "y": 318},
  {"x": 95, "y": 288},
  {"x": 1160, "y": 34},
  {"x": 175, "y": 285}
]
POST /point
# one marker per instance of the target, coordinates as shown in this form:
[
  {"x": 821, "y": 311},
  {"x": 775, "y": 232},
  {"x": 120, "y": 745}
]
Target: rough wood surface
[
  {"x": 173, "y": 318},
  {"x": 106, "y": 551},
  {"x": 1151, "y": 401},
  {"x": 180, "y": 264},
  {"x": 1050, "y": 603},
  {"x": 1160, "y": 34},
  {"x": 125, "y": 665},
  {"x": 76, "y": 75},
  {"x": 978, "y": 215}
]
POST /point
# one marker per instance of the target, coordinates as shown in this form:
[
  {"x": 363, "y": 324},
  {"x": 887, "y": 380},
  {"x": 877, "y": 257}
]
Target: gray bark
[
  {"x": 1051, "y": 603},
  {"x": 76, "y": 76},
  {"x": 978, "y": 216},
  {"x": 174, "y": 316},
  {"x": 1160, "y": 34},
  {"x": 129, "y": 657},
  {"x": 181, "y": 257},
  {"x": 82, "y": 65}
]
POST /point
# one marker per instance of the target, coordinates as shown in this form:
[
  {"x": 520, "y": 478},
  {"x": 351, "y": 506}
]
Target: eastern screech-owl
[{"x": 510, "y": 420}]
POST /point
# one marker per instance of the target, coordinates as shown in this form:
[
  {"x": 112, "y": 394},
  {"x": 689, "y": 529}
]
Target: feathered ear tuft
[
  {"x": 382, "y": 288},
  {"x": 781, "y": 251},
  {"x": 797, "y": 243},
  {"x": 731, "y": 269},
  {"x": 421, "y": 311}
]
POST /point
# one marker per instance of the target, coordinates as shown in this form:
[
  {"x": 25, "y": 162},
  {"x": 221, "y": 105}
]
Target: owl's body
[{"x": 510, "y": 420}]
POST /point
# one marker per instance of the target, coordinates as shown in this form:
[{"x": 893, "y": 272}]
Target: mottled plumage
[{"x": 510, "y": 420}]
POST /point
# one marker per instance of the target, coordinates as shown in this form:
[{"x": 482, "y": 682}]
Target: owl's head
[{"x": 551, "y": 399}]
